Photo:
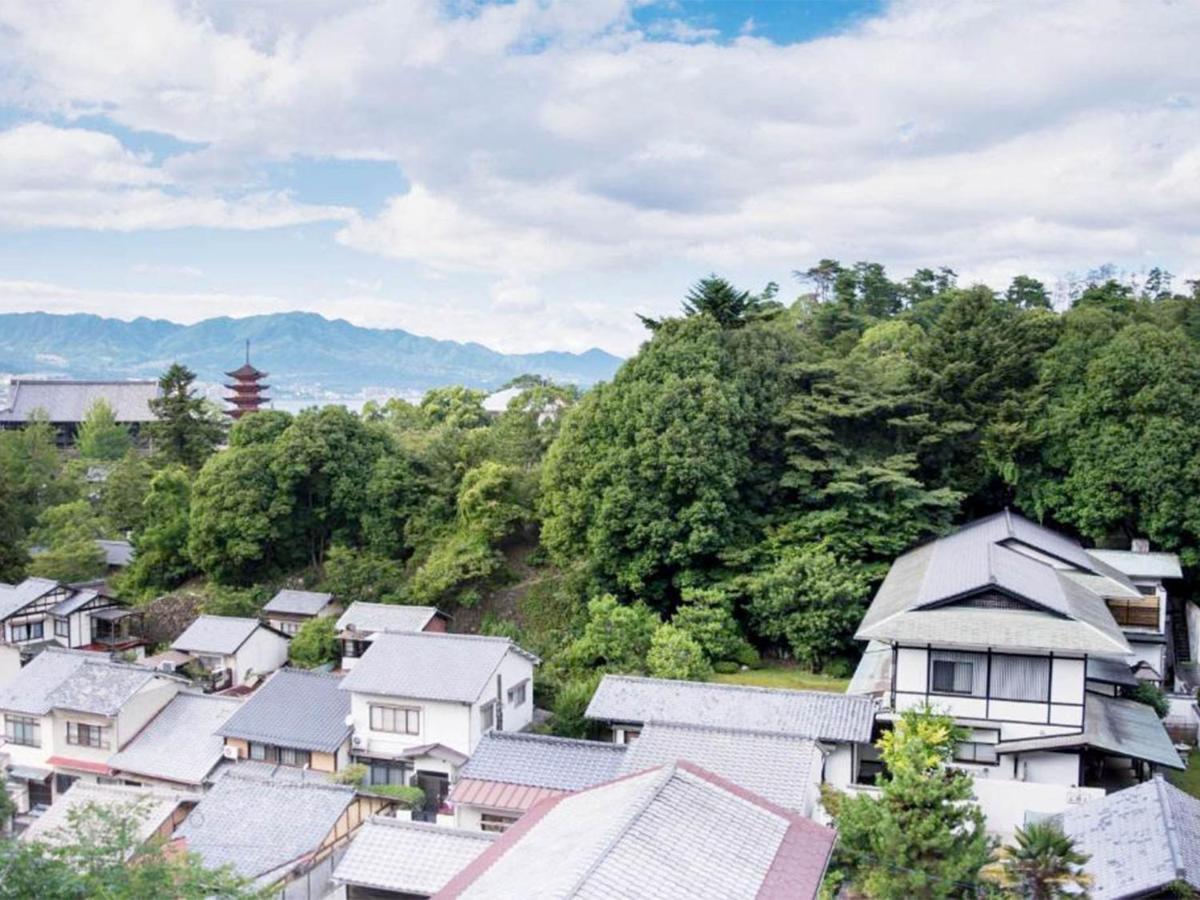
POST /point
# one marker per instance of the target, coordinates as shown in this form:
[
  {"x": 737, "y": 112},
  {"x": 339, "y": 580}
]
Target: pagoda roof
[{"x": 246, "y": 371}]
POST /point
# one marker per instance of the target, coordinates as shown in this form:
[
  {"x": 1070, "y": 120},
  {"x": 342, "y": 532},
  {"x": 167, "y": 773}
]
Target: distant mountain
[{"x": 306, "y": 354}]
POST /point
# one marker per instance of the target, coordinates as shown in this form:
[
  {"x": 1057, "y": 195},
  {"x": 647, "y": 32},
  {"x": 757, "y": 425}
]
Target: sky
[{"x": 533, "y": 174}]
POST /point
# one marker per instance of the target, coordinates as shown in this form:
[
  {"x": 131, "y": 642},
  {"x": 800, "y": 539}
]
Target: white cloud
[{"x": 553, "y": 141}]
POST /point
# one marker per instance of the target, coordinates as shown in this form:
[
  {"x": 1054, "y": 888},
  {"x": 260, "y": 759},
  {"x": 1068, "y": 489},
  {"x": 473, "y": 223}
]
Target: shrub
[
  {"x": 570, "y": 703},
  {"x": 674, "y": 654},
  {"x": 315, "y": 644},
  {"x": 406, "y": 796},
  {"x": 354, "y": 774},
  {"x": 749, "y": 658},
  {"x": 1151, "y": 695},
  {"x": 726, "y": 667}
]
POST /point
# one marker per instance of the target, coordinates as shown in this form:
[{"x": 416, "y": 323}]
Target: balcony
[
  {"x": 1135, "y": 612},
  {"x": 117, "y": 628}
]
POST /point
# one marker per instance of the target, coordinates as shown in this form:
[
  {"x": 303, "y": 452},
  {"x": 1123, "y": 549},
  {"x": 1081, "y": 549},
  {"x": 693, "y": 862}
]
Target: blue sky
[{"x": 532, "y": 174}]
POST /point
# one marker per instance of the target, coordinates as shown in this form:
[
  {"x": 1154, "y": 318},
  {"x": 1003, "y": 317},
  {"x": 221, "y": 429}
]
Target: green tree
[
  {"x": 261, "y": 428},
  {"x": 674, "y": 654},
  {"x": 123, "y": 496},
  {"x": 187, "y": 429},
  {"x": 67, "y": 536},
  {"x": 455, "y": 406},
  {"x": 923, "y": 836},
  {"x": 1041, "y": 864},
  {"x": 616, "y": 637},
  {"x": 100, "y": 436},
  {"x": 13, "y": 558},
  {"x": 362, "y": 575},
  {"x": 100, "y": 854},
  {"x": 315, "y": 644},
  {"x": 706, "y": 616},
  {"x": 161, "y": 560},
  {"x": 569, "y": 709},
  {"x": 1027, "y": 293},
  {"x": 32, "y": 467}
]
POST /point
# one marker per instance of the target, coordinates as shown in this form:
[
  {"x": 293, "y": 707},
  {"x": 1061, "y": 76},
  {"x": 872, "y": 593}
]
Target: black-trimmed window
[
  {"x": 975, "y": 752},
  {"x": 953, "y": 676},
  {"x": 28, "y": 631},
  {"x": 62, "y": 628},
  {"x": 497, "y": 824},
  {"x": 1020, "y": 678},
  {"x": 23, "y": 730},
  {"x": 289, "y": 756},
  {"x": 517, "y": 694},
  {"x": 487, "y": 716}
]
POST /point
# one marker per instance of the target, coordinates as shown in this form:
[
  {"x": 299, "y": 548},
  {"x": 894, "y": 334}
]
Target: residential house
[
  {"x": 275, "y": 831},
  {"x": 39, "y": 612},
  {"x": 844, "y": 723},
  {"x": 677, "y": 831},
  {"x": 180, "y": 747},
  {"x": 359, "y": 624},
  {"x": 67, "y": 711},
  {"x": 1007, "y": 626},
  {"x": 157, "y": 813},
  {"x": 511, "y": 771},
  {"x": 1141, "y": 842},
  {"x": 232, "y": 649},
  {"x": 117, "y": 554},
  {"x": 1156, "y": 629},
  {"x": 421, "y": 702},
  {"x": 66, "y": 404},
  {"x": 394, "y": 858},
  {"x": 288, "y": 609},
  {"x": 298, "y": 718}
]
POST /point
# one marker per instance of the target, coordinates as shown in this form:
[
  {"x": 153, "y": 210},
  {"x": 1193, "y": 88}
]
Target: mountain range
[{"x": 306, "y": 354}]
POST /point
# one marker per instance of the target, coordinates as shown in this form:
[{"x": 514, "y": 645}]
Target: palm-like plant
[{"x": 1041, "y": 863}]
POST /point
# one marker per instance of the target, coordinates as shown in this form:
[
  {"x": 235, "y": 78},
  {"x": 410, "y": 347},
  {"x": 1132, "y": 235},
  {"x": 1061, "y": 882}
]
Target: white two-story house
[
  {"x": 67, "y": 712},
  {"x": 40, "y": 612},
  {"x": 420, "y": 702},
  {"x": 1006, "y": 625}
]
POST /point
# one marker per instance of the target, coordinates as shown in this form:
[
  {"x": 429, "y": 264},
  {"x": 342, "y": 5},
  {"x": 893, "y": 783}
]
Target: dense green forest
[{"x": 737, "y": 489}]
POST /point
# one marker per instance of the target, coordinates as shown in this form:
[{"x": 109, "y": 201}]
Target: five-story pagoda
[{"x": 248, "y": 391}]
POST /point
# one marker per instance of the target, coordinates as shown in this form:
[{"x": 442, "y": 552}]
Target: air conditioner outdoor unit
[
  {"x": 358, "y": 741},
  {"x": 166, "y": 666},
  {"x": 229, "y": 752}
]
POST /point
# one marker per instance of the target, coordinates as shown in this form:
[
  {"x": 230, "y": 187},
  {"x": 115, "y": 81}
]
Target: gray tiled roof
[
  {"x": 215, "y": 634},
  {"x": 1009, "y": 554},
  {"x": 1112, "y": 671},
  {"x": 295, "y": 708},
  {"x": 821, "y": 716},
  {"x": 180, "y": 744},
  {"x": 371, "y": 617},
  {"x": 31, "y": 690},
  {"x": 783, "y": 769},
  {"x": 99, "y": 687},
  {"x": 452, "y": 667},
  {"x": 674, "y": 832},
  {"x": 116, "y": 553},
  {"x": 262, "y": 826},
  {"x": 1114, "y": 725},
  {"x": 69, "y": 401},
  {"x": 408, "y": 857},
  {"x": 13, "y": 598},
  {"x": 1141, "y": 565},
  {"x": 1140, "y": 840},
  {"x": 153, "y": 805},
  {"x": 301, "y": 603},
  {"x": 544, "y": 761},
  {"x": 75, "y": 601}
]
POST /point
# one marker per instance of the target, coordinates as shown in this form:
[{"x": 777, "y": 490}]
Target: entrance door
[
  {"x": 436, "y": 786},
  {"x": 40, "y": 793}
]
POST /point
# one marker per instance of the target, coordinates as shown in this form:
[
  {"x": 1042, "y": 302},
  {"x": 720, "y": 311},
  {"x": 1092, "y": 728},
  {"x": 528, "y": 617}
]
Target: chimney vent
[{"x": 1140, "y": 545}]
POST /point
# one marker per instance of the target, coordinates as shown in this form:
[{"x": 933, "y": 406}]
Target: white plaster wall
[
  {"x": 1152, "y": 654},
  {"x": 1048, "y": 768},
  {"x": 512, "y": 670},
  {"x": 1067, "y": 680},
  {"x": 912, "y": 670},
  {"x": 141, "y": 708},
  {"x": 468, "y": 817},
  {"x": 264, "y": 652},
  {"x": 839, "y": 766},
  {"x": 10, "y": 663},
  {"x": 21, "y": 755},
  {"x": 441, "y": 723},
  {"x": 74, "y": 751}
]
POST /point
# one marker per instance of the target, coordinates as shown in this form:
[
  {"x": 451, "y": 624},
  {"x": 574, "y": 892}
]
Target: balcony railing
[{"x": 1139, "y": 612}]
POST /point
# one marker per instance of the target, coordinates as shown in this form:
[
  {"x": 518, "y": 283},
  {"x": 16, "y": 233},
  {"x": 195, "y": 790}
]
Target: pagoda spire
[{"x": 248, "y": 390}]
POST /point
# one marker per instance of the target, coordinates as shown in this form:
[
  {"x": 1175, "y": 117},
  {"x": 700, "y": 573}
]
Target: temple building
[{"x": 248, "y": 391}]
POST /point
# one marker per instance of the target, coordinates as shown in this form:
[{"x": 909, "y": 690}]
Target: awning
[
  {"x": 1115, "y": 726},
  {"x": 29, "y": 773},
  {"x": 79, "y": 765},
  {"x": 498, "y": 795},
  {"x": 437, "y": 751},
  {"x": 115, "y": 613}
]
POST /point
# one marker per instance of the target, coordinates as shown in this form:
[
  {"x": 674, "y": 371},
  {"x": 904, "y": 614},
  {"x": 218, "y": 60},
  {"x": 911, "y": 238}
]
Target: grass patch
[
  {"x": 786, "y": 675},
  {"x": 1189, "y": 779}
]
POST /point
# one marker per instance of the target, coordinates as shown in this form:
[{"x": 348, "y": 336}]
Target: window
[
  {"x": 27, "y": 631},
  {"x": 83, "y": 735},
  {"x": 261, "y": 752},
  {"x": 396, "y": 719},
  {"x": 1021, "y": 678},
  {"x": 516, "y": 694},
  {"x": 287, "y": 626},
  {"x": 62, "y": 628},
  {"x": 972, "y": 752},
  {"x": 23, "y": 730},
  {"x": 952, "y": 672},
  {"x": 952, "y": 677},
  {"x": 297, "y": 758},
  {"x": 354, "y": 649},
  {"x": 381, "y": 772},
  {"x": 63, "y": 782},
  {"x": 495, "y": 823},
  {"x": 487, "y": 715},
  {"x": 209, "y": 662}
]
